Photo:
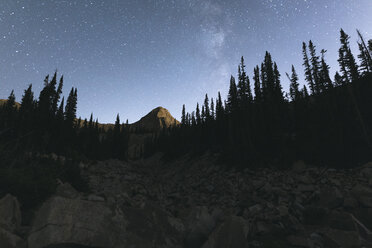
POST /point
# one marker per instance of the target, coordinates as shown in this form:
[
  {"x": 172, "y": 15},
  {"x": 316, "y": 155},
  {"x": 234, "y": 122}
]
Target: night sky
[{"x": 130, "y": 56}]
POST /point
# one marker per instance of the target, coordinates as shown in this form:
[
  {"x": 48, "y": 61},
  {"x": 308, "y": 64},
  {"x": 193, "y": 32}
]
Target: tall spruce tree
[
  {"x": 348, "y": 66},
  {"x": 257, "y": 85},
  {"x": 219, "y": 107},
  {"x": 326, "y": 82},
  {"x": 308, "y": 70},
  {"x": 294, "y": 85},
  {"x": 197, "y": 115},
  {"x": 183, "y": 117},
  {"x": 27, "y": 103},
  {"x": 206, "y": 108},
  {"x": 365, "y": 55},
  {"x": 70, "y": 109},
  {"x": 212, "y": 109},
  {"x": 232, "y": 98},
  {"x": 315, "y": 68}
]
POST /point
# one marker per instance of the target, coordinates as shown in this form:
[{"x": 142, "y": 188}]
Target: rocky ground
[{"x": 197, "y": 203}]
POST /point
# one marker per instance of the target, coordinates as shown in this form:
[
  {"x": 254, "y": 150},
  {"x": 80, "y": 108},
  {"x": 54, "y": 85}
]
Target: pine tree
[
  {"x": 370, "y": 46},
  {"x": 305, "y": 92},
  {"x": 257, "y": 85},
  {"x": 242, "y": 84},
  {"x": 212, "y": 109},
  {"x": 117, "y": 125},
  {"x": 338, "y": 79},
  {"x": 364, "y": 61},
  {"x": 10, "y": 103},
  {"x": 232, "y": 98},
  {"x": 90, "y": 125},
  {"x": 206, "y": 108},
  {"x": 308, "y": 71},
  {"x": 365, "y": 55},
  {"x": 70, "y": 109},
  {"x": 187, "y": 122},
  {"x": 27, "y": 103},
  {"x": 315, "y": 68},
  {"x": 326, "y": 82},
  {"x": 183, "y": 117},
  {"x": 277, "y": 85},
  {"x": 294, "y": 86},
  {"x": 197, "y": 115},
  {"x": 348, "y": 66},
  {"x": 60, "y": 114},
  {"x": 193, "y": 120},
  {"x": 219, "y": 107},
  {"x": 203, "y": 116},
  {"x": 57, "y": 95}
]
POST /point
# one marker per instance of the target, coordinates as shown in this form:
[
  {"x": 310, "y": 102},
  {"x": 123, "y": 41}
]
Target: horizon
[{"x": 131, "y": 57}]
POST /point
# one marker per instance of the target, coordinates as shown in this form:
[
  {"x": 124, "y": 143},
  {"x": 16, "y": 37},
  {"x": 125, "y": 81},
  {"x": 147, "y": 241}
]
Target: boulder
[
  {"x": 346, "y": 239},
  {"x": 199, "y": 225},
  {"x": 74, "y": 221},
  {"x": 230, "y": 234},
  {"x": 363, "y": 195},
  {"x": 10, "y": 240},
  {"x": 330, "y": 197},
  {"x": 10, "y": 213}
]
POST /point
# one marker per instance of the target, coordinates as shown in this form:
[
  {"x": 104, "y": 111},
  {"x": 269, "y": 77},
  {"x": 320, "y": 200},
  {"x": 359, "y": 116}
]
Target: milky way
[{"x": 131, "y": 56}]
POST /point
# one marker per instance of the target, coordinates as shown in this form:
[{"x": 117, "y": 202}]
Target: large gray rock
[
  {"x": 74, "y": 221},
  {"x": 10, "y": 240},
  {"x": 199, "y": 225},
  {"x": 10, "y": 213},
  {"x": 230, "y": 234}
]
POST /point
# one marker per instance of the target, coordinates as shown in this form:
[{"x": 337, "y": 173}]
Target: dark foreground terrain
[{"x": 198, "y": 203}]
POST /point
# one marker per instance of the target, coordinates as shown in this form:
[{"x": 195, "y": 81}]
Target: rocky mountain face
[
  {"x": 155, "y": 121},
  {"x": 198, "y": 203},
  {"x": 147, "y": 126}
]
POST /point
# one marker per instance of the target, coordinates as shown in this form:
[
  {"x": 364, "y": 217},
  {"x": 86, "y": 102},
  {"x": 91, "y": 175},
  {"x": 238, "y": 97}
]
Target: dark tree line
[
  {"x": 49, "y": 125},
  {"x": 328, "y": 124}
]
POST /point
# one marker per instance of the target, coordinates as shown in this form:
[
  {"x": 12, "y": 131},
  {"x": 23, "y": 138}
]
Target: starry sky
[{"x": 130, "y": 56}]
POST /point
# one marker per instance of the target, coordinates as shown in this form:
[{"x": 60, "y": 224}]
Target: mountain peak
[{"x": 156, "y": 120}]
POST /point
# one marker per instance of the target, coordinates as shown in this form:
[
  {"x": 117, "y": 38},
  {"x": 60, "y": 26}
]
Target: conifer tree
[
  {"x": 315, "y": 68},
  {"x": 338, "y": 79},
  {"x": 57, "y": 95},
  {"x": 206, "y": 108},
  {"x": 349, "y": 68},
  {"x": 187, "y": 121},
  {"x": 365, "y": 55},
  {"x": 183, "y": 117},
  {"x": 294, "y": 86},
  {"x": 27, "y": 103},
  {"x": 70, "y": 109},
  {"x": 308, "y": 71},
  {"x": 197, "y": 115},
  {"x": 324, "y": 73},
  {"x": 242, "y": 83},
  {"x": 277, "y": 85},
  {"x": 203, "y": 116},
  {"x": 60, "y": 114},
  {"x": 117, "y": 125},
  {"x": 232, "y": 98},
  {"x": 219, "y": 107},
  {"x": 193, "y": 120},
  {"x": 9, "y": 106},
  {"x": 91, "y": 121},
  {"x": 212, "y": 109},
  {"x": 305, "y": 92},
  {"x": 364, "y": 60},
  {"x": 257, "y": 85}
]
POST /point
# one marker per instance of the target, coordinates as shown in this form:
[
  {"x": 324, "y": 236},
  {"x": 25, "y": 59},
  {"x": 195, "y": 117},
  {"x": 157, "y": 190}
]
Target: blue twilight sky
[{"x": 130, "y": 56}]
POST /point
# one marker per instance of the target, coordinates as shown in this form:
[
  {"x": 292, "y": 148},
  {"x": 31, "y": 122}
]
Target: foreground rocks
[{"x": 195, "y": 203}]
